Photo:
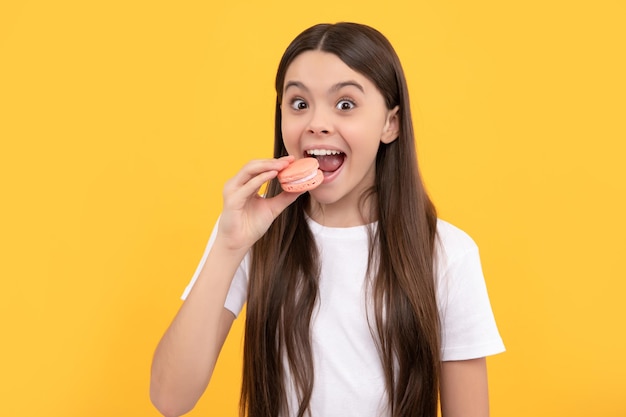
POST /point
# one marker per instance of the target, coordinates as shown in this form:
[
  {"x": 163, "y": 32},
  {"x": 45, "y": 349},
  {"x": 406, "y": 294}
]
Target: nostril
[{"x": 318, "y": 131}]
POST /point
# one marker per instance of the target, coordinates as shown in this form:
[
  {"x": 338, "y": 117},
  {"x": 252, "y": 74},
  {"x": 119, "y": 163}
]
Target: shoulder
[
  {"x": 468, "y": 326},
  {"x": 453, "y": 242},
  {"x": 456, "y": 253}
]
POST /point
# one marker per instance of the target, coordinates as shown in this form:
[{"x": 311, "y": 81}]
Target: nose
[{"x": 320, "y": 122}]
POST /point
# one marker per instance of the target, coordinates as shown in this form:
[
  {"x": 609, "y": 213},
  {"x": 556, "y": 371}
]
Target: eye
[
  {"x": 345, "y": 104},
  {"x": 298, "y": 104}
]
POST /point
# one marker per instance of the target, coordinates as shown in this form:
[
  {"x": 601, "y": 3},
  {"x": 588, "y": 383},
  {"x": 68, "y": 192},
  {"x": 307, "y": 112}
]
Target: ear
[{"x": 391, "y": 130}]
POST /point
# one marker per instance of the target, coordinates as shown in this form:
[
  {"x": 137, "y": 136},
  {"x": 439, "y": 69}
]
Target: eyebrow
[{"x": 332, "y": 89}]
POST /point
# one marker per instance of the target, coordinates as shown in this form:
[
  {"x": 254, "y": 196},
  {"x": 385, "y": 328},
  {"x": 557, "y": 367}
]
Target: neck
[{"x": 341, "y": 214}]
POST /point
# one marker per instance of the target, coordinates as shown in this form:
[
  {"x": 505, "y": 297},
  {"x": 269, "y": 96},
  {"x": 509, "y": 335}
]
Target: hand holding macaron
[{"x": 246, "y": 215}]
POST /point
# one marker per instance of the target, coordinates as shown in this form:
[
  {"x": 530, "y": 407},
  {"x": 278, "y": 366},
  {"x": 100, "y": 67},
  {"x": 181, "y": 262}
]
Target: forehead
[{"x": 322, "y": 69}]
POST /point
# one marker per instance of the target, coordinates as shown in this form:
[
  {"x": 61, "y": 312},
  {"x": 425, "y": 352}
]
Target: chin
[{"x": 324, "y": 198}]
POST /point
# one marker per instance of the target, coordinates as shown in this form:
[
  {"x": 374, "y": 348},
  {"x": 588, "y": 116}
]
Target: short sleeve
[
  {"x": 238, "y": 291},
  {"x": 468, "y": 326}
]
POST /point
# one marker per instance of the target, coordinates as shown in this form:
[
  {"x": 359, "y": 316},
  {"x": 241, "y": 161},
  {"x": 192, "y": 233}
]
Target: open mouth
[{"x": 329, "y": 160}]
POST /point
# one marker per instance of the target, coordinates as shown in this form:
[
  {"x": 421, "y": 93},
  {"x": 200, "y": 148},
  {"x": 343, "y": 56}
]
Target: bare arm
[
  {"x": 186, "y": 355},
  {"x": 464, "y": 390}
]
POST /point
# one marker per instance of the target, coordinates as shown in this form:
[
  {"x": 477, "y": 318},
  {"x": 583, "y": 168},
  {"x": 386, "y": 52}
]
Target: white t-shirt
[{"x": 349, "y": 379}]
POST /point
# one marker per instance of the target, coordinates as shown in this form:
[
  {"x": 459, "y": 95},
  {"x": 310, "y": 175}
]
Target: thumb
[{"x": 281, "y": 201}]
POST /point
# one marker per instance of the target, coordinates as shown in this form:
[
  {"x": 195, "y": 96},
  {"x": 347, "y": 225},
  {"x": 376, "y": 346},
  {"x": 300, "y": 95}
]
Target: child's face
[{"x": 328, "y": 108}]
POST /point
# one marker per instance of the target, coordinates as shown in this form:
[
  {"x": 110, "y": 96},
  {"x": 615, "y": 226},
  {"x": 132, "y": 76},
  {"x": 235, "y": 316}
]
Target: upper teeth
[{"x": 321, "y": 152}]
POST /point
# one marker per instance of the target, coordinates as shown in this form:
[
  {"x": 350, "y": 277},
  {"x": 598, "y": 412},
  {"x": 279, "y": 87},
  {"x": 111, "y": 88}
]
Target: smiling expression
[{"x": 336, "y": 114}]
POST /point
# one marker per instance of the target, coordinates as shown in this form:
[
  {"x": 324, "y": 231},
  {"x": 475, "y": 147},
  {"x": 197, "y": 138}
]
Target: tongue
[{"x": 330, "y": 163}]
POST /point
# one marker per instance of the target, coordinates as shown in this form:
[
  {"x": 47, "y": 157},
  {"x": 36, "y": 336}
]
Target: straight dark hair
[{"x": 283, "y": 286}]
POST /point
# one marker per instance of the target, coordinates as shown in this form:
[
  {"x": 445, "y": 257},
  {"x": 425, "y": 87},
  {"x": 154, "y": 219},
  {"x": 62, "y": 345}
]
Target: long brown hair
[{"x": 283, "y": 285}]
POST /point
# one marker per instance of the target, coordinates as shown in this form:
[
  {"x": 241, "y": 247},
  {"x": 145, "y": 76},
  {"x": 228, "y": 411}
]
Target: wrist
[{"x": 228, "y": 250}]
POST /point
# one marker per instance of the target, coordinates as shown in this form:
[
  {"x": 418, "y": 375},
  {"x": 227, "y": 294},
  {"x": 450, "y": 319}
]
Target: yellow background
[{"x": 121, "y": 120}]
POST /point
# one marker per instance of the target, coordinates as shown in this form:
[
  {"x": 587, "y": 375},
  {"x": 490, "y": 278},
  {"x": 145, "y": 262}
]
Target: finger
[
  {"x": 281, "y": 201},
  {"x": 253, "y": 186},
  {"x": 235, "y": 196},
  {"x": 288, "y": 158},
  {"x": 256, "y": 167}
]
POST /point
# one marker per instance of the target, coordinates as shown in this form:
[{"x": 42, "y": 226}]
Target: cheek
[
  {"x": 363, "y": 134},
  {"x": 291, "y": 130}
]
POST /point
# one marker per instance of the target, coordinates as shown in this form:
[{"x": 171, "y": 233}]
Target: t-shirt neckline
[{"x": 351, "y": 232}]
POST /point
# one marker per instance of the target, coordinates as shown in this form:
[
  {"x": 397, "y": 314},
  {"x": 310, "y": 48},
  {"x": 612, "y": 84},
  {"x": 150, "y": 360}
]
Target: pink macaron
[{"x": 301, "y": 175}]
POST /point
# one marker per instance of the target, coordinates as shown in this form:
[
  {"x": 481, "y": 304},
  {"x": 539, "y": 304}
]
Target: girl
[{"x": 360, "y": 302}]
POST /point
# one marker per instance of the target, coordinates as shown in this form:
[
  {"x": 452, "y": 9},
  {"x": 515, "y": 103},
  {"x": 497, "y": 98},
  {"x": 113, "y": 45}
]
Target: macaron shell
[
  {"x": 304, "y": 186},
  {"x": 298, "y": 169}
]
